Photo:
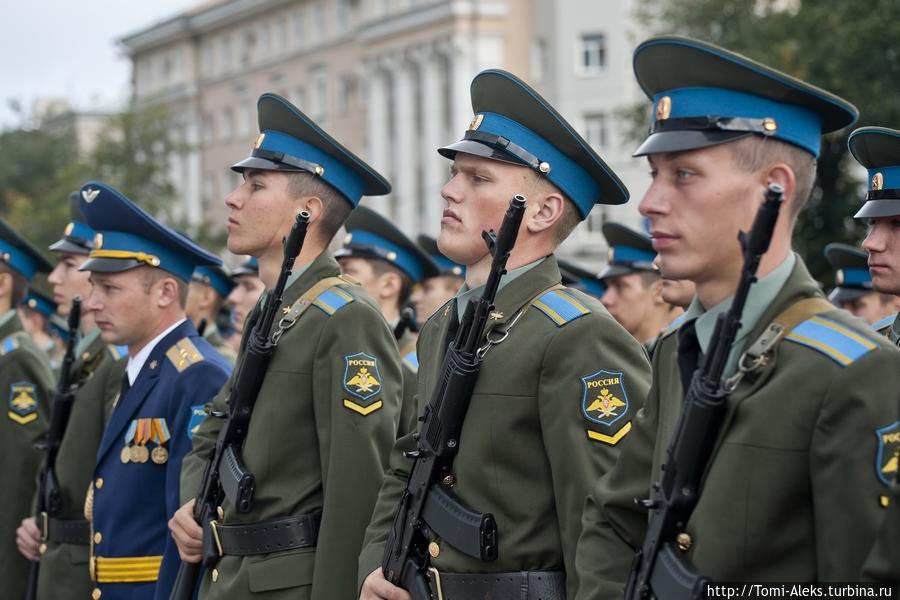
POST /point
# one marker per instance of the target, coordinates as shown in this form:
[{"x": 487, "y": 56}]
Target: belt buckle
[
  {"x": 435, "y": 577},
  {"x": 213, "y": 526}
]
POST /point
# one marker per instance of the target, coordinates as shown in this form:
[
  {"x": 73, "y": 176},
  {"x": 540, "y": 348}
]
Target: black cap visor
[
  {"x": 479, "y": 149},
  {"x": 262, "y": 164},
  {"x": 874, "y": 209},
  {"x": 68, "y": 246},
  {"x": 110, "y": 265},
  {"x": 840, "y": 294},
  {"x": 679, "y": 140}
]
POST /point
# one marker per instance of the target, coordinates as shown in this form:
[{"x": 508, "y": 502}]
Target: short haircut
[
  {"x": 570, "y": 218},
  {"x": 648, "y": 278},
  {"x": 152, "y": 275},
  {"x": 756, "y": 152},
  {"x": 336, "y": 207},
  {"x": 20, "y": 284},
  {"x": 380, "y": 267}
]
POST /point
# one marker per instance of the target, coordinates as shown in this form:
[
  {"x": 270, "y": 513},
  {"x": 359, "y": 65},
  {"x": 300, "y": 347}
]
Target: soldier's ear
[
  {"x": 313, "y": 205},
  {"x": 548, "y": 211}
]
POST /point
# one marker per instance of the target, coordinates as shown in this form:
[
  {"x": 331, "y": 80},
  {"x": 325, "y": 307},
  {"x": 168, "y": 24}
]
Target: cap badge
[
  {"x": 877, "y": 181},
  {"x": 69, "y": 228},
  {"x": 98, "y": 241},
  {"x": 770, "y": 125},
  {"x": 259, "y": 140},
  {"x": 663, "y": 108},
  {"x": 89, "y": 195},
  {"x": 476, "y": 122}
]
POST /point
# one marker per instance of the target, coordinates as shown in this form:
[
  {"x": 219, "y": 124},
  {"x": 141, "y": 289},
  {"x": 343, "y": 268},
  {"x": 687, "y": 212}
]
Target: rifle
[
  {"x": 659, "y": 569},
  {"x": 407, "y": 321},
  {"x": 49, "y": 502},
  {"x": 428, "y": 507},
  {"x": 226, "y": 475}
]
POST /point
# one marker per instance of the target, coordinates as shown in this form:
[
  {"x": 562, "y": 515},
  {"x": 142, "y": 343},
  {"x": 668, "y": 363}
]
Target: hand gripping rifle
[
  {"x": 428, "y": 508},
  {"x": 659, "y": 570},
  {"x": 49, "y": 503},
  {"x": 226, "y": 476}
]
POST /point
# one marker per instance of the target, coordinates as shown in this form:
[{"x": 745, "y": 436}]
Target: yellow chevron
[{"x": 612, "y": 440}]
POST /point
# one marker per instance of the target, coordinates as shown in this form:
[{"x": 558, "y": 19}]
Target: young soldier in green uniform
[
  {"x": 327, "y": 413},
  {"x": 207, "y": 292},
  {"x": 27, "y": 385},
  {"x": 433, "y": 292},
  {"x": 35, "y": 312},
  {"x": 63, "y": 547},
  {"x": 248, "y": 287},
  {"x": 853, "y": 289},
  {"x": 388, "y": 264},
  {"x": 878, "y": 150},
  {"x": 791, "y": 491},
  {"x": 560, "y": 380}
]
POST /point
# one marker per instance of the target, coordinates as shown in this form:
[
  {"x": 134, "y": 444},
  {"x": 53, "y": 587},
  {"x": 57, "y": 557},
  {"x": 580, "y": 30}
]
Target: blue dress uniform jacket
[{"x": 131, "y": 502}]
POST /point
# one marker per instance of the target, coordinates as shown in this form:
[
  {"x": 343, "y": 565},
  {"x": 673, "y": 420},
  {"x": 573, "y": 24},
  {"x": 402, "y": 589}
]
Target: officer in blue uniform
[
  {"x": 388, "y": 264},
  {"x": 853, "y": 289},
  {"x": 140, "y": 271},
  {"x": 434, "y": 292}
]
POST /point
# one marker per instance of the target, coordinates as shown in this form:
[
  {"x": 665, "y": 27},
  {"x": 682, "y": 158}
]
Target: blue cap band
[
  {"x": 403, "y": 259},
  {"x": 854, "y": 276},
  {"x": 890, "y": 177},
  {"x": 216, "y": 279},
  {"x": 565, "y": 173},
  {"x": 39, "y": 304},
  {"x": 629, "y": 254},
  {"x": 169, "y": 258},
  {"x": 447, "y": 266},
  {"x": 594, "y": 287},
  {"x": 81, "y": 231},
  {"x": 336, "y": 174},
  {"x": 18, "y": 260},
  {"x": 794, "y": 124}
]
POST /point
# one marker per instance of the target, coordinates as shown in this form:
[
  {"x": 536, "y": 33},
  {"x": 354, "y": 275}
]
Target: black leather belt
[
  {"x": 273, "y": 535},
  {"x": 69, "y": 531},
  {"x": 522, "y": 585}
]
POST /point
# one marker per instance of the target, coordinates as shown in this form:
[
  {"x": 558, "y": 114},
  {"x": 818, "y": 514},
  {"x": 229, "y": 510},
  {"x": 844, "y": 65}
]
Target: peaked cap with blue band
[
  {"x": 372, "y": 236},
  {"x": 78, "y": 237},
  {"x": 249, "y": 267},
  {"x": 129, "y": 237},
  {"x": 629, "y": 251},
  {"x": 290, "y": 141},
  {"x": 704, "y": 95},
  {"x": 853, "y": 278},
  {"x": 579, "y": 278},
  {"x": 513, "y": 124},
  {"x": 19, "y": 254},
  {"x": 214, "y": 277},
  {"x": 444, "y": 264},
  {"x": 878, "y": 150},
  {"x": 40, "y": 302}
]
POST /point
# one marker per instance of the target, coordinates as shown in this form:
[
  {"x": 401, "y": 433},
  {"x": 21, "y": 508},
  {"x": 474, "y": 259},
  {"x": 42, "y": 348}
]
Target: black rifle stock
[
  {"x": 428, "y": 506},
  {"x": 660, "y": 570},
  {"x": 225, "y": 474},
  {"x": 48, "y": 500}
]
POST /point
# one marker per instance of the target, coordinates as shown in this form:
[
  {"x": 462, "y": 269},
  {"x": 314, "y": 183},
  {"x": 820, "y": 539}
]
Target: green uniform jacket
[
  {"x": 792, "y": 491},
  {"x": 215, "y": 339},
  {"x": 27, "y": 386},
  {"x": 410, "y": 364},
  {"x": 318, "y": 441},
  {"x": 525, "y": 451},
  {"x": 64, "y": 567}
]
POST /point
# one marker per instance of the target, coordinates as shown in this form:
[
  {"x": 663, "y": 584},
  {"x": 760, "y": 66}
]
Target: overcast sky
[{"x": 67, "y": 49}]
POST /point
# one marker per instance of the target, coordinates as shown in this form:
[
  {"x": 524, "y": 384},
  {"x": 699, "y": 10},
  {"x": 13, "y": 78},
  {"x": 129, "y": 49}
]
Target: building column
[
  {"x": 405, "y": 165},
  {"x": 377, "y": 119},
  {"x": 462, "y": 71},
  {"x": 434, "y": 166}
]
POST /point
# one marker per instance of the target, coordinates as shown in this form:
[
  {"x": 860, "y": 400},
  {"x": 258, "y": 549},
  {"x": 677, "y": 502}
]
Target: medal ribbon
[
  {"x": 129, "y": 435},
  {"x": 143, "y": 432},
  {"x": 160, "y": 431}
]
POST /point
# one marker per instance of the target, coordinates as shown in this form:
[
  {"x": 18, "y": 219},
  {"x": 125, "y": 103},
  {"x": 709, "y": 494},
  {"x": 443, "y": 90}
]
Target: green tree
[{"x": 844, "y": 47}]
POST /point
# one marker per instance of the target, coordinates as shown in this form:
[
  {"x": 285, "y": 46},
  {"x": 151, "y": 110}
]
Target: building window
[
  {"x": 225, "y": 53},
  {"x": 209, "y": 129},
  {"x": 299, "y": 33},
  {"x": 245, "y": 119},
  {"x": 206, "y": 59},
  {"x": 343, "y": 15},
  {"x": 280, "y": 42},
  {"x": 248, "y": 42},
  {"x": 299, "y": 99},
  {"x": 265, "y": 39},
  {"x": 319, "y": 101},
  {"x": 345, "y": 93},
  {"x": 538, "y": 60},
  {"x": 227, "y": 128},
  {"x": 319, "y": 20},
  {"x": 595, "y": 131},
  {"x": 592, "y": 57}
]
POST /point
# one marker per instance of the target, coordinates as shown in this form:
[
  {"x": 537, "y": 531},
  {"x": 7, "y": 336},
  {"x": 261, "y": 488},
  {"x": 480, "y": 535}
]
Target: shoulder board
[
  {"x": 332, "y": 300},
  {"x": 117, "y": 352},
  {"x": 673, "y": 326},
  {"x": 184, "y": 354},
  {"x": 411, "y": 360},
  {"x": 884, "y": 323},
  {"x": 9, "y": 343},
  {"x": 835, "y": 340},
  {"x": 560, "y": 306}
]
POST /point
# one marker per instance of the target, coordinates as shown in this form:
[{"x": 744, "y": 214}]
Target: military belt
[
  {"x": 69, "y": 531},
  {"x": 521, "y": 585},
  {"x": 274, "y": 535}
]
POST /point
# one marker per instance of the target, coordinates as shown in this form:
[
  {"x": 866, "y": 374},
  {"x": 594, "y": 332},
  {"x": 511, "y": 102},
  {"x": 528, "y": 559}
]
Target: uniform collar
[
  {"x": 210, "y": 330},
  {"x": 307, "y": 276},
  {"x": 465, "y": 293},
  {"x": 136, "y": 362},
  {"x": 10, "y": 323},
  {"x": 894, "y": 332},
  {"x": 86, "y": 341}
]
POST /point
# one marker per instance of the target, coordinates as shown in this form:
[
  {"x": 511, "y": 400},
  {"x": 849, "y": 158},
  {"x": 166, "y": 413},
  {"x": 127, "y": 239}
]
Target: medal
[
  {"x": 135, "y": 453},
  {"x": 125, "y": 456},
  {"x": 142, "y": 454},
  {"x": 159, "y": 455}
]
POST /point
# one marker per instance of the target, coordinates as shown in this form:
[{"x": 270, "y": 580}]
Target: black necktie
[
  {"x": 126, "y": 385},
  {"x": 688, "y": 353}
]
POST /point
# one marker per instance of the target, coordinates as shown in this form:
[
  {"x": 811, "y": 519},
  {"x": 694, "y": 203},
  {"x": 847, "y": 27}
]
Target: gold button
[
  {"x": 221, "y": 512},
  {"x": 683, "y": 541},
  {"x": 98, "y": 483},
  {"x": 215, "y": 575},
  {"x": 434, "y": 550},
  {"x": 85, "y": 356},
  {"x": 97, "y": 537},
  {"x": 42, "y": 549},
  {"x": 96, "y": 594}
]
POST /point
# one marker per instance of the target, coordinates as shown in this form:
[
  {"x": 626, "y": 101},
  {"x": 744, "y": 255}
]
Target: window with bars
[{"x": 592, "y": 53}]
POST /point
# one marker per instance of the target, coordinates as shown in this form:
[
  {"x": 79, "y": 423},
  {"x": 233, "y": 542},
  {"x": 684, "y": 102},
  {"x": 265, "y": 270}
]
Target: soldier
[
  {"x": 545, "y": 421},
  {"x": 248, "y": 287},
  {"x": 327, "y": 413},
  {"x": 677, "y": 292},
  {"x": 633, "y": 285},
  {"x": 207, "y": 292},
  {"x": 35, "y": 311},
  {"x": 878, "y": 150},
  {"x": 97, "y": 373},
  {"x": 388, "y": 264},
  {"x": 794, "y": 467},
  {"x": 139, "y": 272},
  {"x": 853, "y": 289},
  {"x": 581, "y": 279},
  {"x": 27, "y": 383},
  {"x": 433, "y": 292}
]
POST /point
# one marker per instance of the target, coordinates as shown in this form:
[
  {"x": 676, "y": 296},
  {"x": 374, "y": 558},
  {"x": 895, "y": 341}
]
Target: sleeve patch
[
  {"x": 888, "y": 454},
  {"x": 411, "y": 360},
  {"x": 198, "y": 414},
  {"x": 560, "y": 307},
  {"x": 883, "y": 323},
  {"x": 362, "y": 381},
  {"x": 332, "y": 300},
  {"x": 837, "y": 342},
  {"x": 9, "y": 344},
  {"x": 610, "y": 440},
  {"x": 184, "y": 354},
  {"x": 604, "y": 400},
  {"x": 22, "y": 403},
  {"x": 117, "y": 352}
]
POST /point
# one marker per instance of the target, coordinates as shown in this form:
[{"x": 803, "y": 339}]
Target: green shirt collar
[
  {"x": 295, "y": 275},
  {"x": 5, "y": 317},
  {"x": 894, "y": 333},
  {"x": 465, "y": 293},
  {"x": 761, "y": 295}
]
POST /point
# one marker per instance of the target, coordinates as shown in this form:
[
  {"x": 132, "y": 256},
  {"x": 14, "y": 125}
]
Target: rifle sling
[{"x": 299, "y": 307}]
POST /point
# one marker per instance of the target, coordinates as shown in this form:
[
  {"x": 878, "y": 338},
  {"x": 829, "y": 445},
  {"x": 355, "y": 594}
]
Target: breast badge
[
  {"x": 22, "y": 404},
  {"x": 363, "y": 382},
  {"x": 604, "y": 403}
]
